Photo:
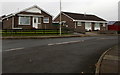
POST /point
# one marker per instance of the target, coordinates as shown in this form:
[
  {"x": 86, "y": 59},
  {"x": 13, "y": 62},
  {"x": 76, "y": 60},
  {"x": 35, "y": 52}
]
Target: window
[
  {"x": 79, "y": 24},
  {"x": 45, "y": 20},
  {"x": 24, "y": 20}
]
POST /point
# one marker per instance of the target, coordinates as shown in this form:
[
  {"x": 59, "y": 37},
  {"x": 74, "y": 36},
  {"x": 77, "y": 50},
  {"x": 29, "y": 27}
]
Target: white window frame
[
  {"x": 79, "y": 23},
  {"x": 24, "y": 16},
  {"x": 45, "y": 21}
]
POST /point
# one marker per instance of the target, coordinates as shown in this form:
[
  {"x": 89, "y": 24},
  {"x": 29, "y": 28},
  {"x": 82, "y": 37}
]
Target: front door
[{"x": 35, "y": 22}]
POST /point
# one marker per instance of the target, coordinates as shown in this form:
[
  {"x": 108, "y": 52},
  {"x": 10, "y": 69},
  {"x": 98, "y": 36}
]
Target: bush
[{"x": 33, "y": 32}]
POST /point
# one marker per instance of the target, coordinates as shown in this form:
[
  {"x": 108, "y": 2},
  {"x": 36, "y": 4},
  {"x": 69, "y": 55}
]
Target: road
[{"x": 60, "y": 55}]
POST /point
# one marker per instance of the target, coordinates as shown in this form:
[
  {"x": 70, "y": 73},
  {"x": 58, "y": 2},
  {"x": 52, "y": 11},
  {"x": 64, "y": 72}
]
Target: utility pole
[
  {"x": 119, "y": 11},
  {"x": 60, "y": 18}
]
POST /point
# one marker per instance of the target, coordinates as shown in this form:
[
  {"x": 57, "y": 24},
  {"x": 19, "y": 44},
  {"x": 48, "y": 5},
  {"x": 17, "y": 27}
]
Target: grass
[{"x": 32, "y": 34}]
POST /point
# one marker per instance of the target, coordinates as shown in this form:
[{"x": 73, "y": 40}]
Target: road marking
[
  {"x": 14, "y": 49},
  {"x": 106, "y": 39},
  {"x": 66, "y": 42}
]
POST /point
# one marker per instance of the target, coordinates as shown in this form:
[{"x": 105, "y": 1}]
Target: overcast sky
[{"x": 106, "y": 9}]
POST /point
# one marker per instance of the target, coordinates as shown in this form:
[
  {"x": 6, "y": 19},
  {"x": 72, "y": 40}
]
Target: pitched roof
[
  {"x": 117, "y": 23},
  {"x": 34, "y": 6},
  {"x": 111, "y": 22},
  {"x": 77, "y": 16},
  {"x": 2, "y": 17}
]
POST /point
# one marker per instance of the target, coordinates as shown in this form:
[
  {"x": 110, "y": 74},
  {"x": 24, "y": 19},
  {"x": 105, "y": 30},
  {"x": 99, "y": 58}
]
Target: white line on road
[
  {"x": 105, "y": 39},
  {"x": 66, "y": 42},
  {"x": 14, "y": 49}
]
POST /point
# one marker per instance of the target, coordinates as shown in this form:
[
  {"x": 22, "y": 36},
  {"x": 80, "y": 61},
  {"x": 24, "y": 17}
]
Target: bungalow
[
  {"x": 30, "y": 18},
  {"x": 81, "y": 22}
]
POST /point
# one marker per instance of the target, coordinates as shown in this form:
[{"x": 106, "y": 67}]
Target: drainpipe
[
  {"x": 106, "y": 26},
  {"x": 13, "y": 22},
  {"x": 75, "y": 24}
]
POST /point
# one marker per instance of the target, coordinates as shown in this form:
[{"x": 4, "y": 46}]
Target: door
[{"x": 35, "y": 22}]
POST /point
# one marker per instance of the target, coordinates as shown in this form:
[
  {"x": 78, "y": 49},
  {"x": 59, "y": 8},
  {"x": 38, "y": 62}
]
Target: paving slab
[{"x": 110, "y": 62}]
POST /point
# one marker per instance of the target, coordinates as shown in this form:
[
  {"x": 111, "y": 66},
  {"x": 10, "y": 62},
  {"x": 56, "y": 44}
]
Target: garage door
[
  {"x": 97, "y": 26},
  {"x": 88, "y": 26}
]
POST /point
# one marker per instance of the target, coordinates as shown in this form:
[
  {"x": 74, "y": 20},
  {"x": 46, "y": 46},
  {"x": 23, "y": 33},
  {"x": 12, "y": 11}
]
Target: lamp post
[{"x": 60, "y": 17}]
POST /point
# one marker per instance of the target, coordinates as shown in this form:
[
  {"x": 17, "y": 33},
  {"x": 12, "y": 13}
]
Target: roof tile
[{"x": 77, "y": 16}]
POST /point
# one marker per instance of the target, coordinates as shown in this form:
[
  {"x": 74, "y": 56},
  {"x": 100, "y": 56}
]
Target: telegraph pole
[
  {"x": 60, "y": 18},
  {"x": 119, "y": 11}
]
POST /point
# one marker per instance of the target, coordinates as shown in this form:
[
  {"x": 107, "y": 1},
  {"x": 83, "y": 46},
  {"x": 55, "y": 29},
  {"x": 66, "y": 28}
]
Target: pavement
[
  {"x": 59, "y": 55},
  {"x": 109, "y": 62},
  {"x": 92, "y": 33},
  {"x": 42, "y": 37}
]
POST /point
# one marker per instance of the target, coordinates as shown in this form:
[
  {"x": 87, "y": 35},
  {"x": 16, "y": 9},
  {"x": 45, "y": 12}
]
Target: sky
[{"x": 106, "y": 9}]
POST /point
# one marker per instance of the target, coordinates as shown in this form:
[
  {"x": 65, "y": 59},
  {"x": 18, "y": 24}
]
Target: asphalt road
[
  {"x": 62, "y": 55},
  {"x": 10, "y": 44}
]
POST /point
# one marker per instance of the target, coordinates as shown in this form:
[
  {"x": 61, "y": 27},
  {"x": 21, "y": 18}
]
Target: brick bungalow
[
  {"x": 30, "y": 18},
  {"x": 81, "y": 22}
]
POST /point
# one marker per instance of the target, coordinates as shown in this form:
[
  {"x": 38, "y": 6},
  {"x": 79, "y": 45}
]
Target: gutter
[{"x": 90, "y": 21}]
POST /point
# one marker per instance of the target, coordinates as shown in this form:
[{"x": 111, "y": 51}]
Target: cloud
[{"x": 107, "y": 9}]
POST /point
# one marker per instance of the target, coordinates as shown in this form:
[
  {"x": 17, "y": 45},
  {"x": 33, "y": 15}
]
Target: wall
[
  {"x": 16, "y": 23},
  {"x": 7, "y": 23},
  {"x": 71, "y": 24},
  {"x": 40, "y": 26},
  {"x": 80, "y": 28}
]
